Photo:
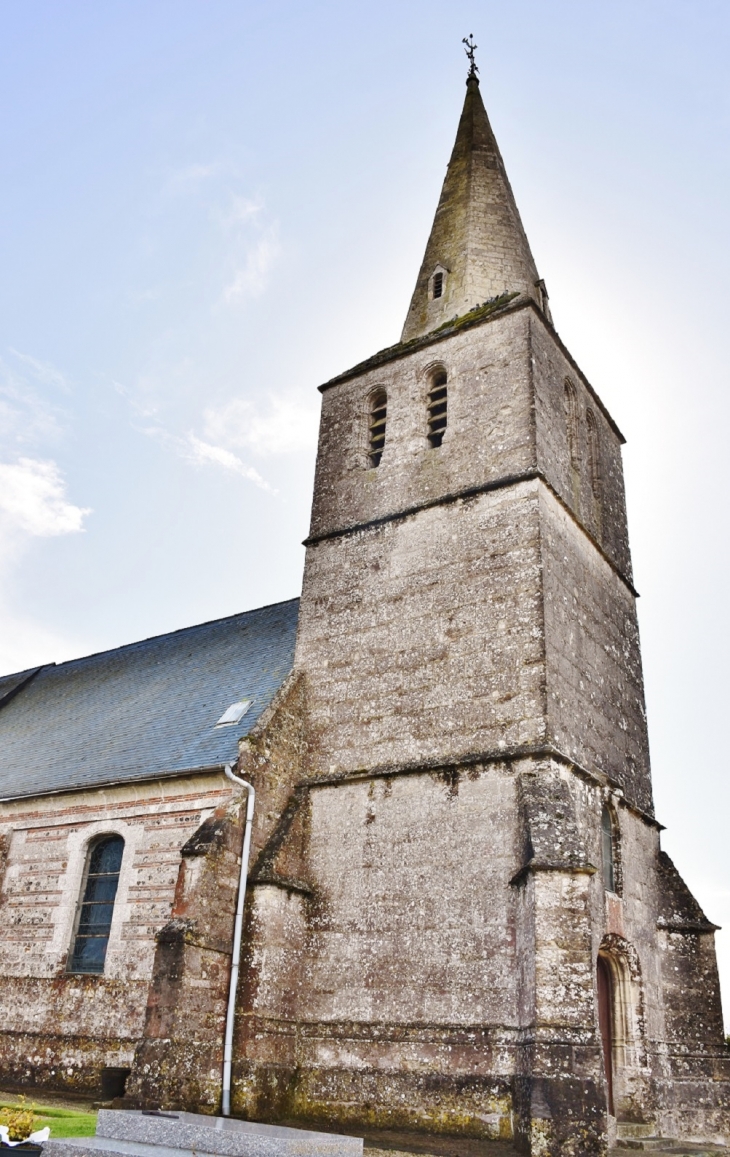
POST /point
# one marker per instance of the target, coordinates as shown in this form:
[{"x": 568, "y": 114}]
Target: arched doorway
[
  {"x": 606, "y": 1022},
  {"x": 620, "y": 1022}
]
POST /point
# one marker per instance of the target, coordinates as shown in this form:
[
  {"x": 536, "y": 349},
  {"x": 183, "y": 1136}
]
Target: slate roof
[{"x": 145, "y": 709}]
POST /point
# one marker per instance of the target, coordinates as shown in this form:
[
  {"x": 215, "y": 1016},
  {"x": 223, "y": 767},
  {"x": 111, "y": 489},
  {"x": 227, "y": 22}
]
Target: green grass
[{"x": 62, "y": 1122}]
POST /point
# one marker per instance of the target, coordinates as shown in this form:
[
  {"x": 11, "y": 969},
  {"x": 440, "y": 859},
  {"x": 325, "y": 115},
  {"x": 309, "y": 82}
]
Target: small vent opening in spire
[
  {"x": 437, "y": 409},
  {"x": 376, "y": 429},
  {"x": 437, "y": 283}
]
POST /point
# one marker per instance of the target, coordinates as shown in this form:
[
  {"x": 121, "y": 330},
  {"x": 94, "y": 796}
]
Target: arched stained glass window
[{"x": 96, "y": 907}]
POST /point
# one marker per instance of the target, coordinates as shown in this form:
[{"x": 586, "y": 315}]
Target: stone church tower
[{"x": 459, "y": 918}]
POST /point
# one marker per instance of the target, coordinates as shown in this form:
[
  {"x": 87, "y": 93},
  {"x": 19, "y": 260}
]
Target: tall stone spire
[{"x": 478, "y": 248}]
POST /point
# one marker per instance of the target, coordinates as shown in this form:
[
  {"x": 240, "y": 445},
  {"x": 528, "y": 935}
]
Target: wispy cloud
[
  {"x": 239, "y": 209},
  {"x": 200, "y": 453},
  {"x": 205, "y": 453},
  {"x": 189, "y": 176},
  {"x": 252, "y": 276},
  {"x": 33, "y": 499},
  {"x": 34, "y": 503},
  {"x": 285, "y": 425},
  {"x": 27, "y": 416},
  {"x": 141, "y": 398},
  {"x": 44, "y": 372}
]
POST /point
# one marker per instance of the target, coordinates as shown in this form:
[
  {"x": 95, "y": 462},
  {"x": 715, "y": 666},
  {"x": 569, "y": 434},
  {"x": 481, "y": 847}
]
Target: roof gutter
[
  {"x": 237, "y": 935},
  {"x": 111, "y": 783}
]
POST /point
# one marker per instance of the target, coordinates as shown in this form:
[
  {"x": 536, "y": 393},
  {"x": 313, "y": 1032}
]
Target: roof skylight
[{"x": 234, "y": 713}]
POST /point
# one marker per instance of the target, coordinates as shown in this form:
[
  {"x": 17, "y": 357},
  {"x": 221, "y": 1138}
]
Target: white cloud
[
  {"x": 251, "y": 278},
  {"x": 289, "y": 424},
  {"x": 33, "y": 499},
  {"x": 44, "y": 372},
  {"x": 202, "y": 453},
  {"x": 141, "y": 398},
  {"x": 191, "y": 175},
  {"x": 240, "y": 209},
  {"x": 26, "y": 416},
  {"x": 205, "y": 453}
]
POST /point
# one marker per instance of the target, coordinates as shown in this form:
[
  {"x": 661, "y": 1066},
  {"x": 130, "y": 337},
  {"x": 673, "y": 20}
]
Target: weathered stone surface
[
  {"x": 477, "y": 239},
  {"x": 441, "y": 783},
  {"x": 61, "y": 1029}
]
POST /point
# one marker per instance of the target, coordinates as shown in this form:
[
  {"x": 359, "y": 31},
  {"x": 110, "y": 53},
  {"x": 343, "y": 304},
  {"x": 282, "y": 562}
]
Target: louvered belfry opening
[
  {"x": 378, "y": 415},
  {"x": 438, "y": 284},
  {"x": 437, "y": 402}
]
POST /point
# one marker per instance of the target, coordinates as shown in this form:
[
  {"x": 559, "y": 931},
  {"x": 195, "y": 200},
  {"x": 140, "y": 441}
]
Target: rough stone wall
[
  {"x": 595, "y": 690},
  {"x": 600, "y": 508},
  {"x": 60, "y": 1029},
  {"x": 559, "y": 1096},
  {"x": 422, "y": 639},
  {"x": 386, "y": 995},
  {"x": 692, "y": 1069},
  {"x": 432, "y": 632},
  {"x": 178, "y": 1062},
  {"x": 671, "y": 1064},
  {"x": 179, "y": 1059},
  {"x": 506, "y": 415},
  {"x": 489, "y": 434}
]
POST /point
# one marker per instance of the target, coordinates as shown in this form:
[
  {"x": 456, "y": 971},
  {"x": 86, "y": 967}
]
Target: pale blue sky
[{"x": 209, "y": 207}]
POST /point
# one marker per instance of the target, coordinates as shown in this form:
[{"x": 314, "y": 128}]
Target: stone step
[
  {"x": 139, "y": 1134},
  {"x": 668, "y": 1147}
]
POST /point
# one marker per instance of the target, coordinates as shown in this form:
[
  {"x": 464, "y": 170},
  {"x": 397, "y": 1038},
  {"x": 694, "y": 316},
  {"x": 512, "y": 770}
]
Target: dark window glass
[
  {"x": 436, "y": 409},
  {"x": 607, "y": 851},
  {"x": 376, "y": 431},
  {"x": 438, "y": 284},
  {"x": 97, "y": 905}
]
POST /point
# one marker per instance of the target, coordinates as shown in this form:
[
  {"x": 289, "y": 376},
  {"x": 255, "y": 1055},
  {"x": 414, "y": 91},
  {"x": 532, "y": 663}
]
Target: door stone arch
[{"x": 620, "y": 1014}]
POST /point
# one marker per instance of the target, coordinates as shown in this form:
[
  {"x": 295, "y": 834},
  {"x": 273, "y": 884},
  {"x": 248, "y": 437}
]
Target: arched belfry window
[
  {"x": 609, "y": 857},
  {"x": 376, "y": 426},
  {"x": 438, "y": 283},
  {"x": 96, "y": 907},
  {"x": 571, "y": 419},
  {"x": 436, "y": 408},
  {"x": 594, "y": 460}
]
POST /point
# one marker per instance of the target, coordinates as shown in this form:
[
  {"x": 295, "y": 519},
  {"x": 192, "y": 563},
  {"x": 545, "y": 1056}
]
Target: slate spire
[{"x": 478, "y": 248}]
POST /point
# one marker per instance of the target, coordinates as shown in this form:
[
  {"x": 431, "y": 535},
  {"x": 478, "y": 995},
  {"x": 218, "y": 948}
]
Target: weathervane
[{"x": 470, "y": 50}]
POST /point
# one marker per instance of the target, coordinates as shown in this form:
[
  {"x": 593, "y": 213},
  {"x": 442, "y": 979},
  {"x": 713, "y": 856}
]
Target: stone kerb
[{"x": 223, "y": 1136}]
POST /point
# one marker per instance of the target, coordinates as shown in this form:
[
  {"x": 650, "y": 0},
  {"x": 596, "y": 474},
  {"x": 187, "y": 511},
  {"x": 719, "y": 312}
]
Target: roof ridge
[{"x": 153, "y": 638}]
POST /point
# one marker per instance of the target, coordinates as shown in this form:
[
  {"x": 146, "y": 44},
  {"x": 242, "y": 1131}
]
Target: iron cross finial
[{"x": 470, "y": 48}]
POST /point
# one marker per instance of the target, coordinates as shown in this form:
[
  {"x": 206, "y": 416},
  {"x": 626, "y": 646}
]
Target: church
[{"x": 458, "y": 916}]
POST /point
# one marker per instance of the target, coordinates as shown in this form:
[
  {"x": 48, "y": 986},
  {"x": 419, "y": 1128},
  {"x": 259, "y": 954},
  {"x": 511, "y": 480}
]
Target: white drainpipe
[{"x": 237, "y": 933}]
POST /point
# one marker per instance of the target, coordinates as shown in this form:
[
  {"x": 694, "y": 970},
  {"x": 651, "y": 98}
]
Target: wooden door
[{"x": 605, "y": 1021}]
